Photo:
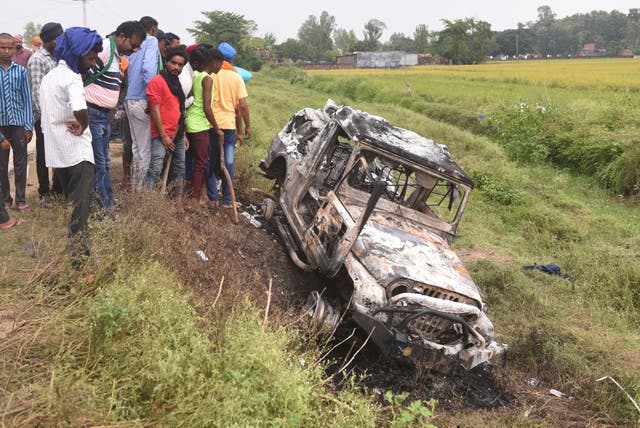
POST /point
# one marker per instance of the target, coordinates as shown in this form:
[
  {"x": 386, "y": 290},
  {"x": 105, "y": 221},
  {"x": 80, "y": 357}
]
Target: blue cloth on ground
[{"x": 551, "y": 269}]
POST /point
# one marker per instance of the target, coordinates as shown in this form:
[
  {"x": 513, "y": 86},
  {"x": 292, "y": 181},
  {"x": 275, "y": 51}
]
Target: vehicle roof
[{"x": 377, "y": 131}]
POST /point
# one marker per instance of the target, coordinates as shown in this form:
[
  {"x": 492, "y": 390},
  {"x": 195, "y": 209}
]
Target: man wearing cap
[
  {"x": 143, "y": 66},
  {"x": 65, "y": 122},
  {"x": 102, "y": 88},
  {"x": 36, "y": 44},
  {"x": 41, "y": 63},
  {"x": 16, "y": 121},
  {"x": 230, "y": 96},
  {"x": 21, "y": 55}
]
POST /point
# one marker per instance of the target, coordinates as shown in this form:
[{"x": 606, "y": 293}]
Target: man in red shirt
[{"x": 166, "y": 104}]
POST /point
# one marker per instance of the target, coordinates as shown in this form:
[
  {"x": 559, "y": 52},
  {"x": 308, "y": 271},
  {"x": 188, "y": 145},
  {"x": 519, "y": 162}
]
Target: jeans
[
  {"x": 213, "y": 166},
  {"x": 229, "y": 148},
  {"x": 229, "y": 157},
  {"x": 99, "y": 124},
  {"x": 156, "y": 165},
  {"x": 15, "y": 135}
]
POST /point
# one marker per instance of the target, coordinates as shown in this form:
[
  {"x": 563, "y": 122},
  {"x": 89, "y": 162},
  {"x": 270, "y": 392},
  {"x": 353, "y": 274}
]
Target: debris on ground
[{"x": 551, "y": 269}]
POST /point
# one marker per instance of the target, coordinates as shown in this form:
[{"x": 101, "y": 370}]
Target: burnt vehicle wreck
[{"x": 361, "y": 199}]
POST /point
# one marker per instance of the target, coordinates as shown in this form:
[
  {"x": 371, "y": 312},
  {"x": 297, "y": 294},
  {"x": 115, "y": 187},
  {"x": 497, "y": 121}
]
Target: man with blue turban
[{"x": 65, "y": 122}]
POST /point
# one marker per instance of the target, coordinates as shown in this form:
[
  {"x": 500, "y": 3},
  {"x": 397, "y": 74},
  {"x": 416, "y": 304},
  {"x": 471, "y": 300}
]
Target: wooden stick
[
  {"x": 213, "y": 305},
  {"x": 223, "y": 168},
  {"x": 266, "y": 311},
  {"x": 165, "y": 173}
]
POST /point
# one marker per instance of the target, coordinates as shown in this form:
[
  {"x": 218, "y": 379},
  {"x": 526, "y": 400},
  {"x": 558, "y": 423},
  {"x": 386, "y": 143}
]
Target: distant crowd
[{"x": 183, "y": 111}]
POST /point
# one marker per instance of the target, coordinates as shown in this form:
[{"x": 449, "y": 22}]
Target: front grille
[{"x": 428, "y": 326}]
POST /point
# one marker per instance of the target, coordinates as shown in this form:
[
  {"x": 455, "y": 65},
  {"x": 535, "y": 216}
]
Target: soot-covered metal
[{"x": 379, "y": 205}]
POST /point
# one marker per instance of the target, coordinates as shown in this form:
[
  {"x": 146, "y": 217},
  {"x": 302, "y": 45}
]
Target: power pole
[{"x": 84, "y": 12}]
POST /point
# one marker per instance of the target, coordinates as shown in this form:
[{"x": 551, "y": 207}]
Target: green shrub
[
  {"x": 525, "y": 130},
  {"x": 497, "y": 189}
]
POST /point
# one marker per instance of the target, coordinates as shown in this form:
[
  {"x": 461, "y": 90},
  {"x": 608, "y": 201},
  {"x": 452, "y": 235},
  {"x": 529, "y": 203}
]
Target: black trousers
[
  {"x": 41, "y": 166},
  {"x": 15, "y": 135},
  {"x": 77, "y": 186},
  {"x": 4, "y": 215}
]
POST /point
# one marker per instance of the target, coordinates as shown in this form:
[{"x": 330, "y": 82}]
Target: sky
[{"x": 283, "y": 18}]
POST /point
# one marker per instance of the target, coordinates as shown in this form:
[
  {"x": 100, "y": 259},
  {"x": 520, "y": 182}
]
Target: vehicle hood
[{"x": 392, "y": 248}]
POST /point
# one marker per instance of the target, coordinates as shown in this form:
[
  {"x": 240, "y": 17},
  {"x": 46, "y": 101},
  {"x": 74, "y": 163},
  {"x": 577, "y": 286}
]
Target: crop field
[{"x": 619, "y": 75}]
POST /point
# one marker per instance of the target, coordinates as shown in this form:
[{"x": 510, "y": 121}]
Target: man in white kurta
[{"x": 65, "y": 125}]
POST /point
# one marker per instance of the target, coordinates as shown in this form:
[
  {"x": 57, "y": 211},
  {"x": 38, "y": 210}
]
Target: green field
[{"x": 146, "y": 344}]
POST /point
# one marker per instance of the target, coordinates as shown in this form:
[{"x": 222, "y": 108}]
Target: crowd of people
[{"x": 185, "y": 109}]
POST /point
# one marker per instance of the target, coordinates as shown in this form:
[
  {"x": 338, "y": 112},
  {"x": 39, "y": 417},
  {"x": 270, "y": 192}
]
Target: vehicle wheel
[
  {"x": 268, "y": 207},
  {"x": 324, "y": 316}
]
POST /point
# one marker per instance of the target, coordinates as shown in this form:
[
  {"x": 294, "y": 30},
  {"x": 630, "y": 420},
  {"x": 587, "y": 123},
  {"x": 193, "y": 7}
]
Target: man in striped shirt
[
  {"x": 102, "y": 87},
  {"x": 16, "y": 121},
  {"x": 40, "y": 63}
]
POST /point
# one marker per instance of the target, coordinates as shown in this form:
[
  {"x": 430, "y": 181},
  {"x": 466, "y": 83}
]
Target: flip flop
[
  {"x": 16, "y": 222},
  {"x": 229, "y": 206}
]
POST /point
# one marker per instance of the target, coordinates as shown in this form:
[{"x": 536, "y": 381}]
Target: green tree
[
  {"x": 544, "y": 34},
  {"x": 422, "y": 39},
  {"x": 30, "y": 31},
  {"x": 294, "y": 49},
  {"x": 513, "y": 42},
  {"x": 632, "y": 30},
  {"x": 232, "y": 28},
  {"x": 400, "y": 42},
  {"x": 316, "y": 33},
  {"x": 344, "y": 40},
  {"x": 373, "y": 30},
  {"x": 465, "y": 41}
]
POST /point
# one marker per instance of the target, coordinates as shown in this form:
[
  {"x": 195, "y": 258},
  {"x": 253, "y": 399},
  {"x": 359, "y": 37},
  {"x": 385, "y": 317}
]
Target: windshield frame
[{"x": 355, "y": 199}]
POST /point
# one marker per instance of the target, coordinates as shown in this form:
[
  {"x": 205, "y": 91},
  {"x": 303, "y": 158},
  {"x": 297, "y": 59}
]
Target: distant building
[
  {"x": 589, "y": 50},
  {"x": 389, "y": 59},
  {"x": 625, "y": 53}
]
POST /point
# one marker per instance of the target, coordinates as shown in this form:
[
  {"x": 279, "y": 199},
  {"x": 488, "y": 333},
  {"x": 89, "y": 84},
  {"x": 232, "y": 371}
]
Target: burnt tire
[
  {"x": 324, "y": 316},
  {"x": 268, "y": 208}
]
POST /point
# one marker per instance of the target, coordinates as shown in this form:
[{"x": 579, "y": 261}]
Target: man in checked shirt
[{"x": 40, "y": 63}]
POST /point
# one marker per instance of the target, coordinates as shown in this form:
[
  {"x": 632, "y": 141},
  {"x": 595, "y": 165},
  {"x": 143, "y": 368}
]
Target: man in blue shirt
[
  {"x": 16, "y": 122},
  {"x": 143, "y": 66}
]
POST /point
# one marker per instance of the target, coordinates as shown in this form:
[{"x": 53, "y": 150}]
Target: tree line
[{"x": 461, "y": 41}]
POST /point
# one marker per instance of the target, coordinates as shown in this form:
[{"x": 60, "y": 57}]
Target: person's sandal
[
  {"x": 46, "y": 202},
  {"x": 11, "y": 223},
  {"x": 23, "y": 208}
]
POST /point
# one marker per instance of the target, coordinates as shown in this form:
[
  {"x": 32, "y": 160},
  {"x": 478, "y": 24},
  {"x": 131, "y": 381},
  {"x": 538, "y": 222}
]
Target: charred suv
[{"x": 378, "y": 206}]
